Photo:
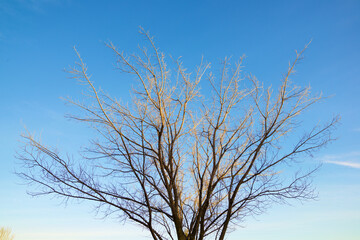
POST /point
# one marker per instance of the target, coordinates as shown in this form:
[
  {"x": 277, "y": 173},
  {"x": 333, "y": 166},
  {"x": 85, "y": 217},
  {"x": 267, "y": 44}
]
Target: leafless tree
[{"x": 181, "y": 164}]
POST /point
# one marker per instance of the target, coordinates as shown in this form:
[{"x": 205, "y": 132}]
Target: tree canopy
[{"x": 182, "y": 162}]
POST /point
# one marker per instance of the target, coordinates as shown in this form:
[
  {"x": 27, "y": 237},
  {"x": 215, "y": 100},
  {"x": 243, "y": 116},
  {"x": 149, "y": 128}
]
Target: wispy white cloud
[
  {"x": 351, "y": 159},
  {"x": 347, "y": 164}
]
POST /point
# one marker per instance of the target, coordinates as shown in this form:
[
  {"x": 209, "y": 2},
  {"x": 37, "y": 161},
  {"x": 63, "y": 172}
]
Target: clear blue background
[{"x": 36, "y": 41}]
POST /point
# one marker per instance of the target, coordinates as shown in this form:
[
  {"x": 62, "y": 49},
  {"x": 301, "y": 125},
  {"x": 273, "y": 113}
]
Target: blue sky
[{"x": 36, "y": 44}]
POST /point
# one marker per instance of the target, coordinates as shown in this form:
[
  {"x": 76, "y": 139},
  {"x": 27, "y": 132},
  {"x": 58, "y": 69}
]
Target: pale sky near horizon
[{"x": 36, "y": 44}]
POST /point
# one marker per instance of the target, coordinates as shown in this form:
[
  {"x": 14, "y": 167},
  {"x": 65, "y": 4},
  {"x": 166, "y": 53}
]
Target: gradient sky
[{"x": 36, "y": 41}]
